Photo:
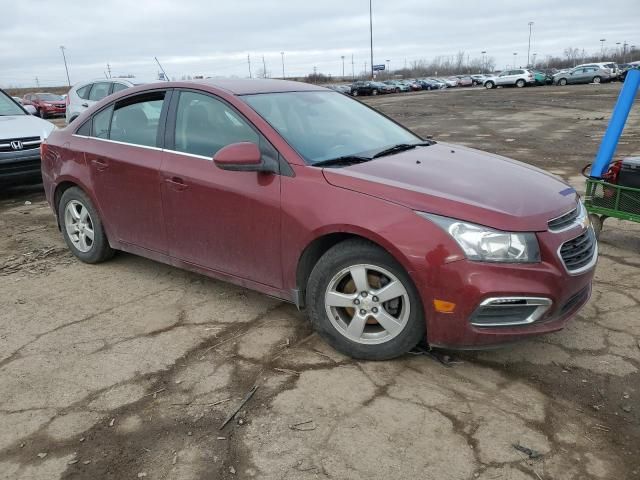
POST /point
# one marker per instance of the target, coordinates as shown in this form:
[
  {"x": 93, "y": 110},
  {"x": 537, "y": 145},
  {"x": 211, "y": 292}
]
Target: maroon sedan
[
  {"x": 307, "y": 195},
  {"x": 46, "y": 104}
]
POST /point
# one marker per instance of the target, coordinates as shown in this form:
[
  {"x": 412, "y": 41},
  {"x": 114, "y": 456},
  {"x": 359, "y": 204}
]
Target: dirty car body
[{"x": 316, "y": 199}]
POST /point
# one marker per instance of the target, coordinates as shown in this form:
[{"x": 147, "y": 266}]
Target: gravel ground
[{"x": 129, "y": 368}]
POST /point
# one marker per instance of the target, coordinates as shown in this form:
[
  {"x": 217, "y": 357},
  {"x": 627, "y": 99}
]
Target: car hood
[
  {"x": 462, "y": 183},
  {"x": 19, "y": 126}
]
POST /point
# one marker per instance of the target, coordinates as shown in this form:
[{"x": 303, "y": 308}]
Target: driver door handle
[{"x": 176, "y": 183}]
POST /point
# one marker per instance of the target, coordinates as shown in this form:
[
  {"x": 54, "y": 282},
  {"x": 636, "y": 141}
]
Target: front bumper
[
  {"x": 20, "y": 166},
  {"x": 469, "y": 284}
]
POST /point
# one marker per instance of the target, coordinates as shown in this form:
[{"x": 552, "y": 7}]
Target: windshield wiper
[
  {"x": 345, "y": 160},
  {"x": 401, "y": 147}
]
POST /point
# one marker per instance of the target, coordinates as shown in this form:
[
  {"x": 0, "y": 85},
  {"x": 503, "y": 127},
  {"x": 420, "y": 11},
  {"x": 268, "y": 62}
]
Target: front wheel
[
  {"x": 597, "y": 79},
  {"x": 354, "y": 93},
  {"x": 374, "y": 92},
  {"x": 489, "y": 85},
  {"x": 520, "y": 83},
  {"x": 562, "y": 82},
  {"x": 363, "y": 303},
  {"x": 82, "y": 228}
]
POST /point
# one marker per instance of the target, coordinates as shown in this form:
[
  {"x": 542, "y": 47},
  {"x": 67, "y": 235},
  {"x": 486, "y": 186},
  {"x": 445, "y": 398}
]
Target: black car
[{"x": 365, "y": 87}]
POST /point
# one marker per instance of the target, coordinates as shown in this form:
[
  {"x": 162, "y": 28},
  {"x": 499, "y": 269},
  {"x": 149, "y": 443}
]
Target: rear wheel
[
  {"x": 397, "y": 90},
  {"x": 42, "y": 113},
  {"x": 562, "y": 82},
  {"x": 374, "y": 92},
  {"x": 363, "y": 303},
  {"x": 520, "y": 83},
  {"x": 82, "y": 228},
  {"x": 597, "y": 79},
  {"x": 354, "y": 93}
]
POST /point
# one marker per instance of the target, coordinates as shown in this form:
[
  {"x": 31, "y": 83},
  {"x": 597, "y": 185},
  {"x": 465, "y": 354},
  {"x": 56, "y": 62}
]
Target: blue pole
[{"x": 616, "y": 124}]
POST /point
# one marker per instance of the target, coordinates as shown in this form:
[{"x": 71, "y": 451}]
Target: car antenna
[{"x": 162, "y": 69}]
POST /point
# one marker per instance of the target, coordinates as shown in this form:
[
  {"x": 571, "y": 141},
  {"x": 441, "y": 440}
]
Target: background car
[
  {"x": 540, "y": 78},
  {"x": 346, "y": 89},
  {"x": 84, "y": 94},
  {"x": 364, "y": 87},
  {"x": 612, "y": 68},
  {"x": 46, "y": 104},
  {"x": 384, "y": 88},
  {"x": 593, "y": 74},
  {"x": 510, "y": 78},
  {"x": 451, "y": 82},
  {"x": 478, "y": 79},
  {"x": 465, "y": 81},
  {"x": 398, "y": 86},
  {"x": 20, "y": 137},
  {"x": 18, "y": 99},
  {"x": 428, "y": 84}
]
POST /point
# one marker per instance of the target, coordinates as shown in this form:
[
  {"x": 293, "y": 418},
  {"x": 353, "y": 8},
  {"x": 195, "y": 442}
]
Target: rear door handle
[
  {"x": 99, "y": 164},
  {"x": 85, "y": 104},
  {"x": 176, "y": 183}
]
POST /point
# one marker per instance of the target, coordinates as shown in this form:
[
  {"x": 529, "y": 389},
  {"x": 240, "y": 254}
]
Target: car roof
[{"x": 249, "y": 86}]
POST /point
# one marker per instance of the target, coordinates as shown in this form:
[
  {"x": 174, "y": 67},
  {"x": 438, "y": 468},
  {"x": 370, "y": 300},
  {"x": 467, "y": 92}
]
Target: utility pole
[
  {"x": 533, "y": 60},
  {"x": 264, "y": 68},
  {"x": 624, "y": 51},
  {"x": 365, "y": 68},
  {"x": 353, "y": 69},
  {"x": 515, "y": 57},
  {"x": 389, "y": 67},
  {"x": 166, "y": 77},
  {"x": 529, "y": 49},
  {"x": 371, "y": 34},
  {"x": 282, "y": 55},
  {"x": 602, "y": 40},
  {"x": 249, "y": 62},
  {"x": 109, "y": 70},
  {"x": 342, "y": 57},
  {"x": 64, "y": 57},
  {"x": 37, "y": 82},
  {"x": 484, "y": 61}
]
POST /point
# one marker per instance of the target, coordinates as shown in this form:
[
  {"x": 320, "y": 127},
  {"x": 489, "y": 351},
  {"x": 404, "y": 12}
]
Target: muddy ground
[{"x": 128, "y": 369}]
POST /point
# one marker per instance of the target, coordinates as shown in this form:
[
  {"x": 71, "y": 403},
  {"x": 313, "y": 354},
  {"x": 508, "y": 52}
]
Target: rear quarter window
[
  {"x": 83, "y": 92},
  {"x": 119, "y": 86}
]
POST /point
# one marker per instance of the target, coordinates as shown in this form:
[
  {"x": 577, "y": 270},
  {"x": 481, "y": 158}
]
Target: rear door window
[
  {"x": 99, "y": 91},
  {"x": 136, "y": 120},
  {"x": 118, "y": 86}
]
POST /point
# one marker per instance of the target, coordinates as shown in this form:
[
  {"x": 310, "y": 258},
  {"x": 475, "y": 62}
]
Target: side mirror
[
  {"x": 240, "y": 157},
  {"x": 31, "y": 110}
]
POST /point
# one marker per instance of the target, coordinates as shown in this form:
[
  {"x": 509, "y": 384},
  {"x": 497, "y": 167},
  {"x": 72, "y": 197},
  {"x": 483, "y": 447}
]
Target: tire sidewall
[
  {"x": 489, "y": 85},
  {"x": 100, "y": 250},
  {"x": 352, "y": 253}
]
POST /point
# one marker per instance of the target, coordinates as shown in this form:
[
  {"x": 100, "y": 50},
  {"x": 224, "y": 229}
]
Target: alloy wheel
[
  {"x": 367, "y": 304},
  {"x": 79, "y": 226}
]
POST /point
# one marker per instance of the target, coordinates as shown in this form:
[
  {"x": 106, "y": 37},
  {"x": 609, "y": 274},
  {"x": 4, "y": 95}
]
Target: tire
[
  {"x": 374, "y": 92},
  {"x": 41, "y": 113},
  {"x": 402, "y": 313},
  {"x": 597, "y": 79},
  {"x": 489, "y": 85},
  {"x": 74, "y": 228},
  {"x": 397, "y": 90},
  {"x": 354, "y": 93},
  {"x": 562, "y": 82},
  {"x": 520, "y": 83}
]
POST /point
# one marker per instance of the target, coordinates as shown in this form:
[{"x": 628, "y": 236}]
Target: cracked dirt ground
[{"x": 128, "y": 369}]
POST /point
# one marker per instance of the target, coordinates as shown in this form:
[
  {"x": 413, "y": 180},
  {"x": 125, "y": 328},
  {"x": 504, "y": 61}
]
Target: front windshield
[
  {"x": 8, "y": 106},
  {"x": 50, "y": 97},
  {"x": 323, "y": 125}
]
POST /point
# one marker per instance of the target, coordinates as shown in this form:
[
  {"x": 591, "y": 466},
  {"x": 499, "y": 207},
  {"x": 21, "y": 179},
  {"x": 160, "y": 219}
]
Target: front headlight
[{"x": 488, "y": 245}]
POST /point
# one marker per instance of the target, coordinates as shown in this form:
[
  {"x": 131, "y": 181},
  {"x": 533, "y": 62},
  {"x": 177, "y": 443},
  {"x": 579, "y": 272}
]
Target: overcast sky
[{"x": 213, "y": 37}]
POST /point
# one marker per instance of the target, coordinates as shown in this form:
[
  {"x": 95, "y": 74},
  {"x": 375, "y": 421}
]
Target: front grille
[
  {"x": 575, "y": 301},
  {"x": 28, "y": 143},
  {"x": 23, "y": 166},
  {"x": 563, "y": 221},
  {"x": 579, "y": 252}
]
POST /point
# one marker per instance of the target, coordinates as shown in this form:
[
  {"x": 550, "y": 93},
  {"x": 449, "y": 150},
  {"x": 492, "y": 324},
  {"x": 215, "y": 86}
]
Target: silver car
[
  {"x": 592, "y": 74},
  {"x": 85, "y": 94}
]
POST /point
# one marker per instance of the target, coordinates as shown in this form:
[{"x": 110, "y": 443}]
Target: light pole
[
  {"x": 371, "y": 34},
  {"x": 389, "y": 68},
  {"x": 282, "y": 55},
  {"x": 515, "y": 57},
  {"x": 602, "y": 40},
  {"x": 618, "y": 50},
  {"x": 342, "y": 57},
  {"x": 633, "y": 50},
  {"x": 529, "y": 48},
  {"x": 484, "y": 60},
  {"x": 624, "y": 51},
  {"x": 64, "y": 57},
  {"x": 533, "y": 60}
]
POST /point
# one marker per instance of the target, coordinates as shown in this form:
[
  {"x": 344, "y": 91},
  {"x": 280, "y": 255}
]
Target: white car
[
  {"x": 610, "y": 67},
  {"x": 84, "y": 94},
  {"x": 21, "y": 134},
  {"x": 510, "y": 78}
]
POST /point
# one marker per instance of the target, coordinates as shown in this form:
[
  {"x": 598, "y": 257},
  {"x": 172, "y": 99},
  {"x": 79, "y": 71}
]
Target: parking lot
[{"x": 128, "y": 369}]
